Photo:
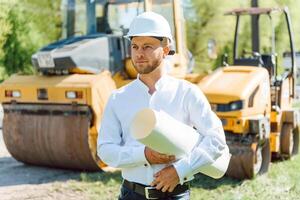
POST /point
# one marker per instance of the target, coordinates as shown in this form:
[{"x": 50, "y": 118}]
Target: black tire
[{"x": 266, "y": 157}]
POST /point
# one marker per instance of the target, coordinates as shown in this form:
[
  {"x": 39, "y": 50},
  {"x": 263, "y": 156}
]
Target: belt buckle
[{"x": 147, "y": 192}]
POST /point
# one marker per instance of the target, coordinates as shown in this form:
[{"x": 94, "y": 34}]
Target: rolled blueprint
[{"x": 164, "y": 134}]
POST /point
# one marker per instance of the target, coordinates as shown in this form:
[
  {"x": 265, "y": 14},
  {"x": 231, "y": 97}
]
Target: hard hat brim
[{"x": 129, "y": 37}]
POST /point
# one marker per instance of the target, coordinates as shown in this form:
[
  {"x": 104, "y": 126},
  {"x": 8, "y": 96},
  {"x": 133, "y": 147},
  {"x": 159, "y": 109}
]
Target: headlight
[
  {"x": 13, "y": 93},
  {"x": 74, "y": 94}
]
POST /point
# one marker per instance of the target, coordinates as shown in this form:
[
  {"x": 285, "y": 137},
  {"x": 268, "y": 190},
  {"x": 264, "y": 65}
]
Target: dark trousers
[{"x": 127, "y": 194}]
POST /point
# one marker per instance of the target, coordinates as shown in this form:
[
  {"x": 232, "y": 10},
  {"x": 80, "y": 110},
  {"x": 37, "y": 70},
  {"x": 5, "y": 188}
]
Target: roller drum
[
  {"x": 248, "y": 160},
  {"x": 49, "y": 135}
]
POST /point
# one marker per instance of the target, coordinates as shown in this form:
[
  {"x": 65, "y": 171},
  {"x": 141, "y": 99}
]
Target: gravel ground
[{"x": 19, "y": 181}]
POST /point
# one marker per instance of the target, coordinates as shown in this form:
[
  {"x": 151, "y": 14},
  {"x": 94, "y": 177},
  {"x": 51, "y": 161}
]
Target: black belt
[{"x": 152, "y": 193}]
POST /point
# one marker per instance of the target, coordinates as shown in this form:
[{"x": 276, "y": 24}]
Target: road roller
[
  {"x": 253, "y": 96},
  {"x": 52, "y": 118}
]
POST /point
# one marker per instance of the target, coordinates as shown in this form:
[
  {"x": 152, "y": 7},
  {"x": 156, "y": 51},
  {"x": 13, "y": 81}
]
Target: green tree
[
  {"x": 4, "y": 29},
  {"x": 45, "y": 19},
  {"x": 16, "y": 50},
  {"x": 26, "y": 26},
  {"x": 206, "y": 20}
]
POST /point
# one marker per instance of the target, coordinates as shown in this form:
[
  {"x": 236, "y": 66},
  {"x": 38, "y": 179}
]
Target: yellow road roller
[
  {"x": 52, "y": 118},
  {"x": 253, "y": 97}
]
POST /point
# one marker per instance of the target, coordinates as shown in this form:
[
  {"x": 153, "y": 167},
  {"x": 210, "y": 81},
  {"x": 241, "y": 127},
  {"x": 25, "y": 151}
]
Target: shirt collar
[
  {"x": 141, "y": 83},
  {"x": 161, "y": 82},
  {"x": 158, "y": 85}
]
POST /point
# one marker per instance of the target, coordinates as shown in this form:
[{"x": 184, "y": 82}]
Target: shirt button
[{"x": 145, "y": 164}]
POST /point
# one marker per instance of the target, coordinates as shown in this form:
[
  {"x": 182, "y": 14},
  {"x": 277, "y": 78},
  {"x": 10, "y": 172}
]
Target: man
[{"x": 141, "y": 166}]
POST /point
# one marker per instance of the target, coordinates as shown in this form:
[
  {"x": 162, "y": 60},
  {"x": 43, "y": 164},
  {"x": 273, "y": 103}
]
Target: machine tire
[
  {"x": 296, "y": 140},
  {"x": 287, "y": 141},
  {"x": 266, "y": 157},
  {"x": 248, "y": 161}
]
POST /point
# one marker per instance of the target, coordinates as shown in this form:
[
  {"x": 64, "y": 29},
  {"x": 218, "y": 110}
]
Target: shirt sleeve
[
  {"x": 212, "y": 138},
  {"x": 110, "y": 147}
]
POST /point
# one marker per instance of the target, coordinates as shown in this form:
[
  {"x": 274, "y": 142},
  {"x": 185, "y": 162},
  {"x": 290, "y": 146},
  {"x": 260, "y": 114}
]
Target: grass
[
  {"x": 280, "y": 183},
  {"x": 100, "y": 186}
]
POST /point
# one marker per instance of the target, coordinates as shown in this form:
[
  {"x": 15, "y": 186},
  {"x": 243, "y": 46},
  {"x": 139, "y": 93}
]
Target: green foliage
[
  {"x": 206, "y": 20},
  {"x": 16, "y": 50},
  {"x": 26, "y": 26},
  {"x": 45, "y": 18}
]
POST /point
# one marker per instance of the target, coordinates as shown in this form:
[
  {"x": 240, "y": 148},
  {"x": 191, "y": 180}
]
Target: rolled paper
[{"x": 164, "y": 134}]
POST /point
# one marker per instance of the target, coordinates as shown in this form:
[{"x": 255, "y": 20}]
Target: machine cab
[
  {"x": 93, "y": 39},
  {"x": 263, "y": 50}
]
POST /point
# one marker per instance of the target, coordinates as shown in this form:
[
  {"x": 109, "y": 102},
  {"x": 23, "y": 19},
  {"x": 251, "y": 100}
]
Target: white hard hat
[{"x": 150, "y": 24}]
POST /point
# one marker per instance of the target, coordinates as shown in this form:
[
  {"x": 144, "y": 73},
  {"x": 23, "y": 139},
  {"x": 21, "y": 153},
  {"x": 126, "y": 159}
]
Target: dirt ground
[{"x": 19, "y": 181}]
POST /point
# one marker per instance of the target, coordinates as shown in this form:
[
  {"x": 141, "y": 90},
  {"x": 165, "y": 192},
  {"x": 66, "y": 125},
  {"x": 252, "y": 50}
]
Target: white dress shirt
[{"x": 182, "y": 100}]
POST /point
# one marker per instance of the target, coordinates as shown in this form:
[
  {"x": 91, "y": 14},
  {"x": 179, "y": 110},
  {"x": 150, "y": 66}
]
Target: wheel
[
  {"x": 286, "y": 140},
  {"x": 262, "y": 158},
  {"x": 248, "y": 161},
  {"x": 257, "y": 160},
  {"x": 296, "y": 140}
]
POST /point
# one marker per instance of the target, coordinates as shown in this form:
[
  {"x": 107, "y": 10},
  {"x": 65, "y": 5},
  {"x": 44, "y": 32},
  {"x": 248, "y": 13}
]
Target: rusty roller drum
[
  {"x": 248, "y": 159},
  {"x": 289, "y": 140},
  {"x": 28, "y": 134}
]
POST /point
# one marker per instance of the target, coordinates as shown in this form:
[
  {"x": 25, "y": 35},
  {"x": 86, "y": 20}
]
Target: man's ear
[{"x": 166, "y": 50}]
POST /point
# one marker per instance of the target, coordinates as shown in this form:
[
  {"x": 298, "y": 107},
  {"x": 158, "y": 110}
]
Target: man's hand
[
  {"x": 166, "y": 179},
  {"x": 154, "y": 157}
]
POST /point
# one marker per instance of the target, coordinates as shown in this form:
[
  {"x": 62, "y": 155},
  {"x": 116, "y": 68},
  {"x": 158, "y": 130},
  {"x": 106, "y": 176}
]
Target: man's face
[{"x": 146, "y": 54}]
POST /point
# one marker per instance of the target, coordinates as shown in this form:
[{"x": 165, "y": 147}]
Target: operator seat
[{"x": 269, "y": 62}]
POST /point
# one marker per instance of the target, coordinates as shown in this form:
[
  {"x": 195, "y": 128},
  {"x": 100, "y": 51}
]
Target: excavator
[
  {"x": 52, "y": 118},
  {"x": 254, "y": 98}
]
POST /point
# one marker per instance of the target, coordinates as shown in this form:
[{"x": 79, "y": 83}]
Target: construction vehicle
[
  {"x": 253, "y": 102},
  {"x": 53, "y": 118}
]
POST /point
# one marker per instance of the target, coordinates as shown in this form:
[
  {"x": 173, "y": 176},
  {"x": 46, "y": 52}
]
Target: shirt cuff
[
  {"x": 184, "y": 170},
  {"x": 139, "y": 156}
]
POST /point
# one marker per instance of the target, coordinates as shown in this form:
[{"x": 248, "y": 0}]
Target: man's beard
[{"x": 149, "y": 68}]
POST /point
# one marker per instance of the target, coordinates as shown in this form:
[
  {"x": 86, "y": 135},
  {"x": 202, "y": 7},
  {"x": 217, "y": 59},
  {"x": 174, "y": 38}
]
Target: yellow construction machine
[
  {"x": 52, "y": 119},
  {"x": 253, "y": 98}
]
